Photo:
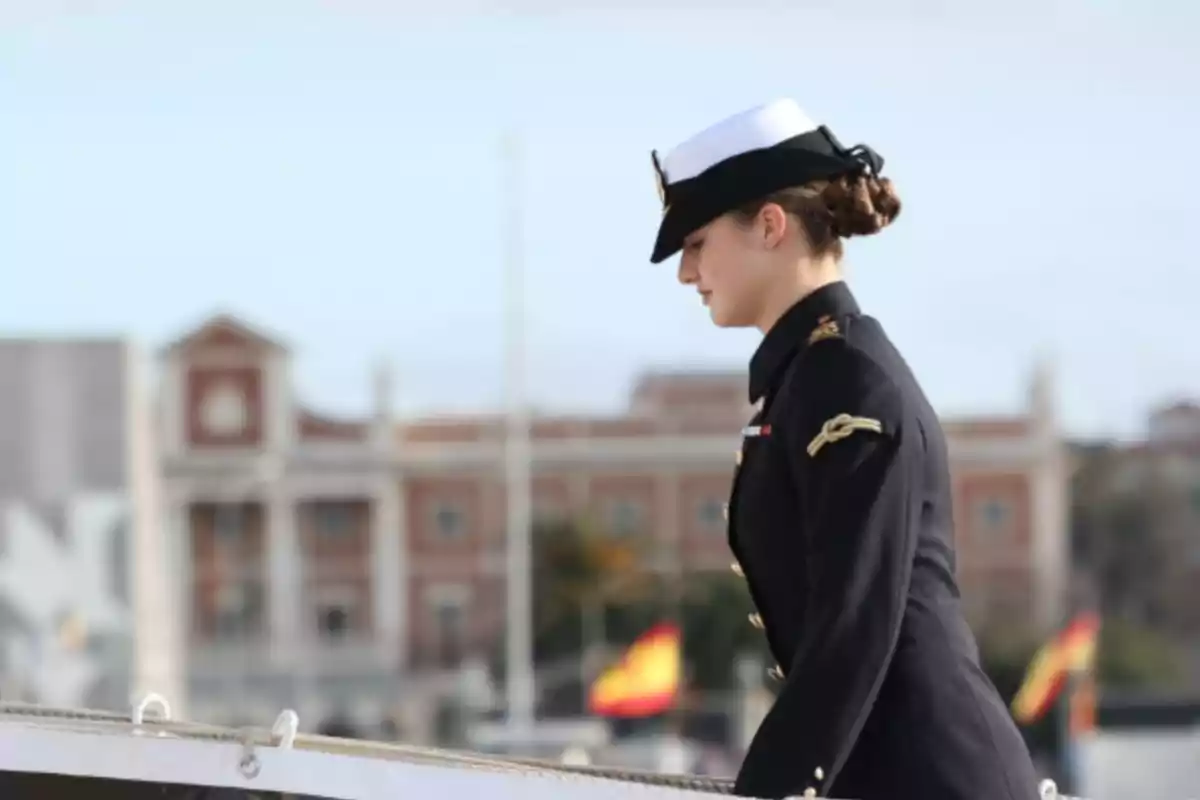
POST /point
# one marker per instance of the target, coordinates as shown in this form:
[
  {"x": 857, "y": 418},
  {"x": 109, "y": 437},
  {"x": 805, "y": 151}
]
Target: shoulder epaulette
[{"x": 827, "y": 328}]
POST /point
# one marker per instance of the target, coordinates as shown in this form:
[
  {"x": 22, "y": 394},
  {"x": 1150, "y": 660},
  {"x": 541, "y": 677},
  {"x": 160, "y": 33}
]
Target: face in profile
[{"x": 731, "y": 264}]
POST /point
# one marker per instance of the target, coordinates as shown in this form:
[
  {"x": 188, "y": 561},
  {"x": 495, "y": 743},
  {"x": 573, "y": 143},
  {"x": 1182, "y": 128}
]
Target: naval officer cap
[{"x": 745, "y": 158}]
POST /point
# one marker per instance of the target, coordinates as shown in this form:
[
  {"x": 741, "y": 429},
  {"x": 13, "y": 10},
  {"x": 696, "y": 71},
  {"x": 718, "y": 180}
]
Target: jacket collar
[{"x": 790, "y": 334}]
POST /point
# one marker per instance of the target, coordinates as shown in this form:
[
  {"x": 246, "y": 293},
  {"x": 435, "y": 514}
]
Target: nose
[{"x": 688, "y": 274}]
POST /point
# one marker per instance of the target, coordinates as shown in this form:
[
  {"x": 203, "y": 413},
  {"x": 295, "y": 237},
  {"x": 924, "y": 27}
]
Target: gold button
[
  {"x": 776, "y": 672},
  {"x": 810, "y": 792},
  {"x": 737, "y": 569},
  {"x": 725, "y": 511},
  {"x": 819, "y": 774},
  {"x": 756, "y": 621},
  {"x": 737, "y": 458}
]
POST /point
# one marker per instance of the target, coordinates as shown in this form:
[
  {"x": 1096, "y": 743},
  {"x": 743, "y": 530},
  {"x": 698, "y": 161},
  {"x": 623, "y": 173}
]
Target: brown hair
[{"x": 835, "y": 209}]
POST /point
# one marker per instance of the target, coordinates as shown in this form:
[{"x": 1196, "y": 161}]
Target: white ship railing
[{"x": 152, "y": 747}]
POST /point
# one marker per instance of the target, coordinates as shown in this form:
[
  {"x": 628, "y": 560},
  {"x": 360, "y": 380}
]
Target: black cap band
[{"x": 689, "y": 205}]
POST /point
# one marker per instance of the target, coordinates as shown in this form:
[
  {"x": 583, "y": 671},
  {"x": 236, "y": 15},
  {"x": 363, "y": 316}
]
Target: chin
[{"x": 724, "y": 320}]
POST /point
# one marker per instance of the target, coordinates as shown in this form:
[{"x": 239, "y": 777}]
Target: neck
[{"x": 780, "y": 301}]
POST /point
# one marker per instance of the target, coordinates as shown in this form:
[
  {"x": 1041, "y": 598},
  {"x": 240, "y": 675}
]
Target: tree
[
  {"x": 1135, "y": 657},
  {"x": 1128, "y": 656},
  {"x": 1005, "y": 655},
  {"x": 577, "y": 574},
  {"x": 716, "y": 629},
  {"x": 1121, "y": 533},
  {"x": 590, "y": 593}
]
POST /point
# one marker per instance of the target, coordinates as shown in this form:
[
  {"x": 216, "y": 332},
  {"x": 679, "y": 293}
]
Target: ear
[{"x": 772, "y": 224}]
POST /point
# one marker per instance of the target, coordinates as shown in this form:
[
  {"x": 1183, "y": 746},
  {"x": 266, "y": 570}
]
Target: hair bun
[{"x": 860, "y": 205}]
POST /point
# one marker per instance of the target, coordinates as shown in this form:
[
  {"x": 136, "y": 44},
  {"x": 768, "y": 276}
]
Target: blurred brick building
[{"x": 352, "y": 562}]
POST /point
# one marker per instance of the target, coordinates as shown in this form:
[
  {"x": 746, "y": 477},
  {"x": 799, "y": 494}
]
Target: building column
[
  {"x": 285, "y": 573},
  {"x": 670, "y": 542},
  {"x": 177, "y": 520},
  {"x": 171, "y": 407},
  {"x": 389, "y": 575},
  {"x": 1050, "y": 503},
  {"x": 280, "y": 418},
  {"x": 1051, "y": 535},
  {"x": 162, "y": 588},
  {"x": 158, "y": 539},
  {"x": 667, "y": 511}
]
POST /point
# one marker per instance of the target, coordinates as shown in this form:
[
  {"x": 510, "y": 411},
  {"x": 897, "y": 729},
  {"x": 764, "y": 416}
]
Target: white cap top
[{"x": 756, "y": 129}]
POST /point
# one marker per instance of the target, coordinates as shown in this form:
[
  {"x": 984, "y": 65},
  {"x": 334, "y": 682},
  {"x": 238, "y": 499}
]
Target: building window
[
  {"x": 334, "y": 618},
  {"x": 333, "y": 520},
  {"x": 449, "y": 609},
  {"x": 711, "y": 515},
  {"x": 1007, "y": 601},
  {"x": 549, "y": 511},
  {"x": 993, "y": 515},
  {"x": 625, "y": 517},
  {"x": 229, "y": 522},
  {"x": 223, "y": 410},
  {"x": 449, "y": 521},
  {"x": 238, "y": 612}
]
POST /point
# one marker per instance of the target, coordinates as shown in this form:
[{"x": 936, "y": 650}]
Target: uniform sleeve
[{"x": 855, "y": 460}]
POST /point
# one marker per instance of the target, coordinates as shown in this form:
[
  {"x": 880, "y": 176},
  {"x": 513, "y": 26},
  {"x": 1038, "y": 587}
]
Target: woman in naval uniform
[{"x": 839, "y": 515}]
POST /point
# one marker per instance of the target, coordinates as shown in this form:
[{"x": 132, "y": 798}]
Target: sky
[{"x": 331, "y": 172}]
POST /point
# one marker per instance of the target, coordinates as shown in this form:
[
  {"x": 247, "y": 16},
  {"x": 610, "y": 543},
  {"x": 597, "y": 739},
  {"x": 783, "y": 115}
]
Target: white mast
[{"x": 519, "y": 644}]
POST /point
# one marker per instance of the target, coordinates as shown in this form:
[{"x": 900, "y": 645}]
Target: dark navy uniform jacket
[{"x": 841, "y": 525}]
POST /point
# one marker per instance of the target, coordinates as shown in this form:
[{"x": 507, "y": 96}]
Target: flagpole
[
  {"x": 1067, "y": 757},
  {"x": 675, "y": 716},
  {"x": 519, "y": 638}
]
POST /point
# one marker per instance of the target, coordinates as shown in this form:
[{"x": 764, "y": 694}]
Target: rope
[
  {"x": 284, "y": 735},
  {"x": 112, "y": 723}
]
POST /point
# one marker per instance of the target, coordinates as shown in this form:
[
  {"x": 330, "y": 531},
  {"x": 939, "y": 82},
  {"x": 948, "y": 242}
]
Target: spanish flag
[
  {"x": 1082, "y": 713},
  {"x": 645, "y": 681},
  {"x": 1072, "y": 651}
]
